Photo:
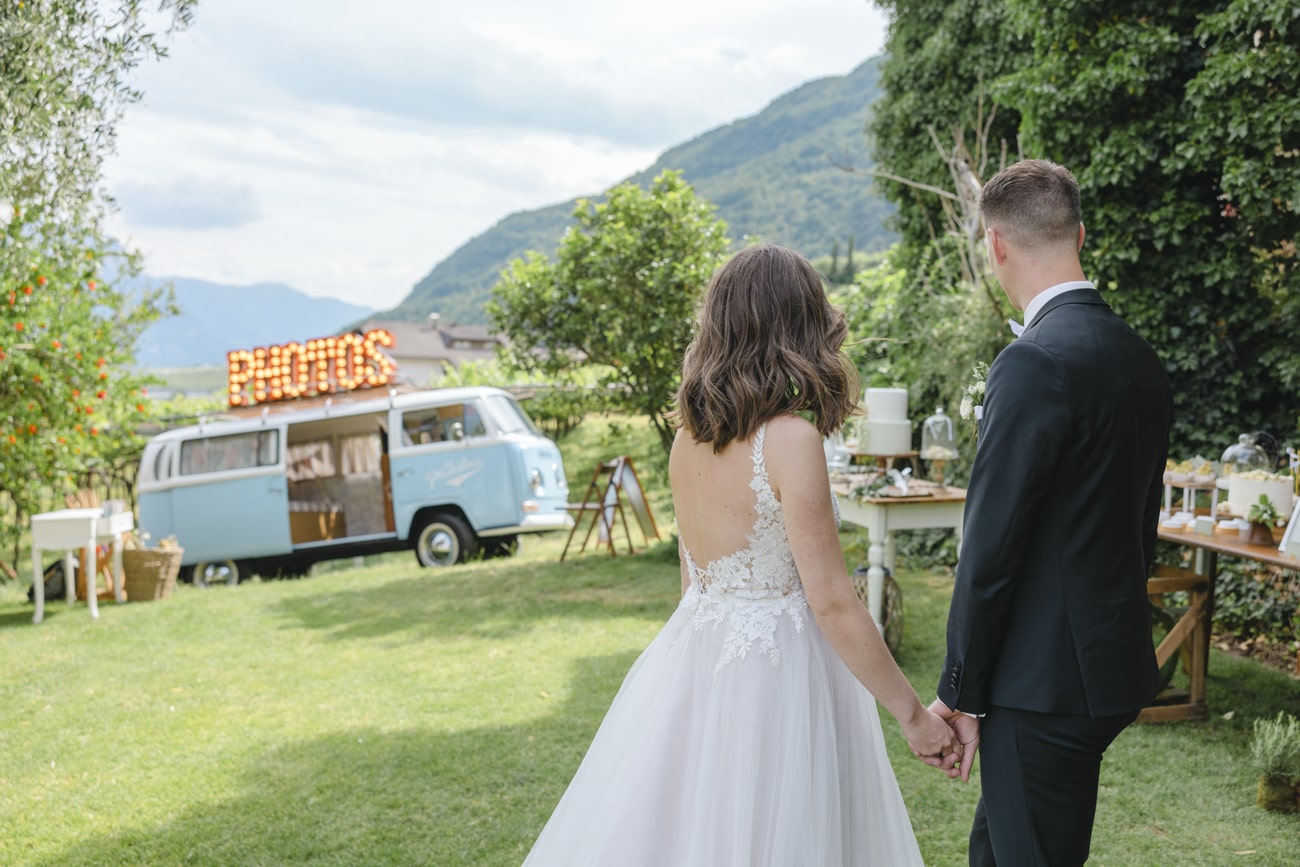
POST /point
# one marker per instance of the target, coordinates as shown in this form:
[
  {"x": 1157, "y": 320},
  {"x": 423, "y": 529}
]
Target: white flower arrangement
[{"x": 972, "y": 402}]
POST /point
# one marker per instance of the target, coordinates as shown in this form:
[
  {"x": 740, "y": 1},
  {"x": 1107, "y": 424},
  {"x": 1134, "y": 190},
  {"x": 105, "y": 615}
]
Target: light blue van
[{"x": 448, "y": 473}]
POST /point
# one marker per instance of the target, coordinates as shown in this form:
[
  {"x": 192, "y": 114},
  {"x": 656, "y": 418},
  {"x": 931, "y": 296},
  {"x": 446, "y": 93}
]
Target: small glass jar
[{"x": 1244, "y": 455}]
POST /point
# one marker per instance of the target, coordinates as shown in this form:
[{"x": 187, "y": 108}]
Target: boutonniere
[{"x": 972, "y": 402}]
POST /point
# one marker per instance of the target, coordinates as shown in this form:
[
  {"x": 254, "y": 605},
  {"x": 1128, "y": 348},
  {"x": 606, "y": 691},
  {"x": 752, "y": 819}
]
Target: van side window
[
  {"x": 234, "y": 452},
  {"x": 434, "y": 425}
]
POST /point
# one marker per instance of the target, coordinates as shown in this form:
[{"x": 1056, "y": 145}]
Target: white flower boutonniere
[{"x": 972, "y": 403}]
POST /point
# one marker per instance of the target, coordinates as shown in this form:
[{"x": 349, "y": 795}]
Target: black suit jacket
[{"x": 1049, "y": 609}]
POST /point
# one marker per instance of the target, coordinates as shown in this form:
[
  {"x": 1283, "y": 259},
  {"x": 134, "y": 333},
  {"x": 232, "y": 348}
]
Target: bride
[{"x": 747, "y": 734}]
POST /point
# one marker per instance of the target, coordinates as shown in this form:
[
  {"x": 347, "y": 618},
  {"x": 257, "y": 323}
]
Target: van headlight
[{"x": 535, "y": 482}]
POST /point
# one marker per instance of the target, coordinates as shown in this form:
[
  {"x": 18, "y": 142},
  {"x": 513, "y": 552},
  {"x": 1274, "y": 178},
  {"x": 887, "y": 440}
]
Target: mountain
[
  {"x": 216, "y": 318},
  {"x": 774, "y": 176}
]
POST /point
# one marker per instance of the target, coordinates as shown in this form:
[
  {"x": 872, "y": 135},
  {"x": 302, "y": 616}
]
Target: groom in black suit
[{"x": 1049, "y": 635}]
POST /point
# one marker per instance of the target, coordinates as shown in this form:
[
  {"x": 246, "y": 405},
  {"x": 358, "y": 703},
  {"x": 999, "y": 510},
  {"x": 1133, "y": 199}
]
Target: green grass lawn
[{"x": 390, "y": 715}]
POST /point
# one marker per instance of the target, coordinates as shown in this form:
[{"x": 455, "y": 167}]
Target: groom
[{"x": 1049, "y": 635}]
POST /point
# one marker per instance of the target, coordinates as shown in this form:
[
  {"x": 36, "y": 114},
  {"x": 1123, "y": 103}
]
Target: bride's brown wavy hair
[{"x": 767, "y": 343}]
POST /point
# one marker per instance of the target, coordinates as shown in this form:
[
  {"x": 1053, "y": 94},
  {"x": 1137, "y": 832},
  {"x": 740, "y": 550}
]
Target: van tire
[
  {"x": 226, "y": 572},
  {"x": 444, "y": 540}
]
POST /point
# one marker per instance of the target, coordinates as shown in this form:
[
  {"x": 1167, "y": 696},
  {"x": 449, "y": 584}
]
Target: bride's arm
[{"x": 796, "y": 465}]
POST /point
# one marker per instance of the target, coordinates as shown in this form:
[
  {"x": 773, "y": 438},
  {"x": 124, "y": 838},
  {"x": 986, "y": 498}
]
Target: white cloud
[{"x": 346, "y": 149}]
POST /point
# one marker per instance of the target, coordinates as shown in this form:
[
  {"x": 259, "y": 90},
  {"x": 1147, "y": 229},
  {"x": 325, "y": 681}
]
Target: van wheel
[
  {"x": 215, "y": 572},
  {"x": 444, "y": 540}
]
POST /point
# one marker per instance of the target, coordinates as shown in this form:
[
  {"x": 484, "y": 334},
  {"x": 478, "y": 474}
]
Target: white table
[
  {"x": 881, "y": 516},
  {"x": 67, "y": 530}
]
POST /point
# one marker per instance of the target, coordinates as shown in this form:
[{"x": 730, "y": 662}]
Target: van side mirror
[{"x": 457, "y": 431}]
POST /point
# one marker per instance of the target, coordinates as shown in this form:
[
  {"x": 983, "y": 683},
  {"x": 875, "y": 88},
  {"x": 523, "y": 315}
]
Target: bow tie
[{"x": 1016, "y": 328}]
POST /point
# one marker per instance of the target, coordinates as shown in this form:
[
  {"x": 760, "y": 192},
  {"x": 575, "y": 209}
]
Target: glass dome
[
  {"x": 938, "y": 443},
  {"x": 1244, "y": 455}
]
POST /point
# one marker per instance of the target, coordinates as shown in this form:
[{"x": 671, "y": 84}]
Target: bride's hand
[{"x": 928, "y": 734}]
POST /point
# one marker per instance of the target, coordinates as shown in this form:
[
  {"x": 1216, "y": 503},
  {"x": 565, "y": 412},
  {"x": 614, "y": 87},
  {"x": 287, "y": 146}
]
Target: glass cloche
[
  {"x": 938, "y": 442},
  {"x": 1244, "y": 455}
]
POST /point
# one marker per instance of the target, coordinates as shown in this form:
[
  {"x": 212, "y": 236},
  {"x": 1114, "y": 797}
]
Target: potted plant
[
  {"x": 1275, "y": 749},
  {"x": 1263, "y": 517}
]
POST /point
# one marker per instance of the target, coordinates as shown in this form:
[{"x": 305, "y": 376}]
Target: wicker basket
[{"x": 150, "y": 573}]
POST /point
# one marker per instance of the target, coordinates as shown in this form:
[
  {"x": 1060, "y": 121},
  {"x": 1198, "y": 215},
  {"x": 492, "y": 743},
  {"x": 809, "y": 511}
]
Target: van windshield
[{"x": 509, "y": 417}]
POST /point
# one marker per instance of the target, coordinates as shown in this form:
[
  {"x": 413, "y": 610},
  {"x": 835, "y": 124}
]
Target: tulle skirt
[{"x": 723, "y": 751}]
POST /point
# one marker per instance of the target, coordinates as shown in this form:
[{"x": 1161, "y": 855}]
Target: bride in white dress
[{"x": 746, "y": 734}]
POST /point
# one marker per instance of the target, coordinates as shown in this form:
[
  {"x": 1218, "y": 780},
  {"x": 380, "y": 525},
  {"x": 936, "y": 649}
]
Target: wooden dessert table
[{"x": 1192, "y": 631}]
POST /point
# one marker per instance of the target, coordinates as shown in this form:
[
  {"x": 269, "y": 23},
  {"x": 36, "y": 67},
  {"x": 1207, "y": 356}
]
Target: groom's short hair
[{"x": 1034, "y": 203}]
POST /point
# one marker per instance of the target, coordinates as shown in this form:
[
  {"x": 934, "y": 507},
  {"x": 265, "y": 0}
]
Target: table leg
[
  {"x": 1206, "y": 563},
  {"x": 69, "y": 579},
  {"x": 92, "y": 593},
  {"x": 38, "y": 587},
  {"x": 876, "y": 581}
]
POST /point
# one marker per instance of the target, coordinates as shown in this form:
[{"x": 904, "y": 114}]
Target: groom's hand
[{"x": 967, "y": 729}]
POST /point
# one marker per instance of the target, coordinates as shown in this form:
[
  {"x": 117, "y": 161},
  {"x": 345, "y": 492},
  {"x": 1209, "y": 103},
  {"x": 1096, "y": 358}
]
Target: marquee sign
[{"x": 325, "y": 365}]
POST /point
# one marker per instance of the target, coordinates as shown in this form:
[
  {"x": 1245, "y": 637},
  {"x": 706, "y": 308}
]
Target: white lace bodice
[{"x": 746, "y": 592}]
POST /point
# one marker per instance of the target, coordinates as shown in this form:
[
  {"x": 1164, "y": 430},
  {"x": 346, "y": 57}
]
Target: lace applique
[{"x": 751, "y": 589}]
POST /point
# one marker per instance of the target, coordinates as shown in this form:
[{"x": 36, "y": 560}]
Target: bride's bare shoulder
[{"x": 793, "y": 432}]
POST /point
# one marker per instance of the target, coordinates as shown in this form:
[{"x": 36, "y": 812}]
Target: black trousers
[{"x": 1038, "y": 786}]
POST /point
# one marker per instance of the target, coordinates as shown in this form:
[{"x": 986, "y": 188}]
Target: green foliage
[
  {"x": 1182, "y": 131},
  {"x": 1180, "y": 124},
  {"x": 912, "y": 335},
  {"x": 69, "y": 399},
  {"x": 1263, "y": 511},
  {"x": 620, "y": 296},
  {"x": 777, "y": 176},
  {"x": 941, "y": 56},
  {"x": 1275, "y": 747},
  {"x": 1251, "y": 601}
]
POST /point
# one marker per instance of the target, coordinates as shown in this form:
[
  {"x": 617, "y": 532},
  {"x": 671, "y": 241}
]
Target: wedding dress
[{"x": 738, "y": 739}]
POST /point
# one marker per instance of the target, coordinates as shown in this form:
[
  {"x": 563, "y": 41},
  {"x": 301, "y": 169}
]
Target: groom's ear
[{"x": 997, "y": 246}]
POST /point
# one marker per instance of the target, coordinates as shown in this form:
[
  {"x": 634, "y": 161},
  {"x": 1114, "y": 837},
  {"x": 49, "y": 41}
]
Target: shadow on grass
[
  {"x": 494, "y": 599},
  {"x": 363, "y": 796}
]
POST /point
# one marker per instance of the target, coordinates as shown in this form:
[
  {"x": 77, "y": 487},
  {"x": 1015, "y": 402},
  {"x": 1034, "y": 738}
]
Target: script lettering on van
[
  {"x": 325, "y": 365},
  {"x": 455, "y": 473}
]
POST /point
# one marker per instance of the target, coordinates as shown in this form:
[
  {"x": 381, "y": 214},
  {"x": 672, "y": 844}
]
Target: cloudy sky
[{"x": 346, "y": 148}]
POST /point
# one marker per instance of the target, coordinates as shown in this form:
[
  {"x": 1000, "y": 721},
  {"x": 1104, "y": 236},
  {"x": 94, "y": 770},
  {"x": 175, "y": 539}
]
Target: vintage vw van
[{"x": 449, "y": 473}]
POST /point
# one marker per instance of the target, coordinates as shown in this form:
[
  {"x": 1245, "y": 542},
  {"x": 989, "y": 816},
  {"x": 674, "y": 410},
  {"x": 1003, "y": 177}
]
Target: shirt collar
[{"x": 1035, "y": 306}]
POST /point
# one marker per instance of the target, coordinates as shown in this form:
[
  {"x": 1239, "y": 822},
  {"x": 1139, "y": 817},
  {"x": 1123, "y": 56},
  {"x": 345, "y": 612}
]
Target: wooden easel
[{"x": 603, "y": 501}]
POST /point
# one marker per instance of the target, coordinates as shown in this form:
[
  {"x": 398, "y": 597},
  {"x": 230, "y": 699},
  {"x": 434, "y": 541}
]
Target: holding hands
[
  {"x": 965, "y": 730},
  {"x": 930, "y": 736}
]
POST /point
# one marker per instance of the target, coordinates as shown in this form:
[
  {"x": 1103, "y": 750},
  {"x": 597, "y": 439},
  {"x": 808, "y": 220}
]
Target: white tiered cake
[
  {"x": 1244, "y": 490},
  {"x": 886, "y": 430}
]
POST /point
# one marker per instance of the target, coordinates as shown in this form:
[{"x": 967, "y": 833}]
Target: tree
[
  {"x": 1182, "y": 124},
  {"x": 941, "y": 55},
  {"x": 620, "y": 295},
  {"x": 68, "y": 395}
]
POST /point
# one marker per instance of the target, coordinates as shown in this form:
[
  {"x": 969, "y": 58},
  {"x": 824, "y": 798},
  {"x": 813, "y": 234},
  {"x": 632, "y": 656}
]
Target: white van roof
[{"x": 346, "y": 405}]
